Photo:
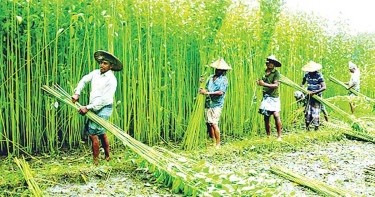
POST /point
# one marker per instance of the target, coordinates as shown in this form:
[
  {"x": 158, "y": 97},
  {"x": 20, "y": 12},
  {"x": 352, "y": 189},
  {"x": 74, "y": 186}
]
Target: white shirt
[
  {"x": 354, "y": 79},
  {"x": 103, "y": 87}
]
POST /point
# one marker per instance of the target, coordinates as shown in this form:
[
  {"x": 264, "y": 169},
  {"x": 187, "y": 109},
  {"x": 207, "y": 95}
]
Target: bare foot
[
  {"x": 96, "y": 162},
  {"x": 108, "y": 159}
]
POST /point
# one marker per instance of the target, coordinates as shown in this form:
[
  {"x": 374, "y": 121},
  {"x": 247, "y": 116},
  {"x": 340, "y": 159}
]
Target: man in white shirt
[
  {"x": 354, "y": 82},
  {"x": 103, "y": 87}
]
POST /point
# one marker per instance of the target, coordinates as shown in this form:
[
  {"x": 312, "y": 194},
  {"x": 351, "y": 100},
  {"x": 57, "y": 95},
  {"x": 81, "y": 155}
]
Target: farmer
[
  {"x": 353, "y": 83},
  {"x": 216, "y": 86},
  {"x": 315, "y": 86},
  {"x": 103, "y": 87},
  {"x": 301, "y": 99},
  {"x": 270, "y": 104}
]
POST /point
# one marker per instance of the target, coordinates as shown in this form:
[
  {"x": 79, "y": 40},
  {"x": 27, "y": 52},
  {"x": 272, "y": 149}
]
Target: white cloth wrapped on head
[{"x": 352, "y": 65}]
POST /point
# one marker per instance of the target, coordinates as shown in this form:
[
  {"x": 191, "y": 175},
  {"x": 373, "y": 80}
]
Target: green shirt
[{"x": 270, "y": 79}]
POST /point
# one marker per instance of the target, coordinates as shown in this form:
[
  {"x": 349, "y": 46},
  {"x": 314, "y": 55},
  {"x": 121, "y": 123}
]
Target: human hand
[
  {"x": 75, "y": 98},
  {"x": 202, "y": 91},
  {"x": 83, "y": 110},
  {"x": 311, "y": 93},
  {"x": 201, "y": 79},
  {"x": 260, "y": 82}
]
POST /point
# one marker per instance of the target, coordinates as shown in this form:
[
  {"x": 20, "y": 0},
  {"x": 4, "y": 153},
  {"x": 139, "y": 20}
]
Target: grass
[
  {"x": 66, "y": 168},
  {"x": 28, "y": 176},
  {"x": 171, "y": 169}
]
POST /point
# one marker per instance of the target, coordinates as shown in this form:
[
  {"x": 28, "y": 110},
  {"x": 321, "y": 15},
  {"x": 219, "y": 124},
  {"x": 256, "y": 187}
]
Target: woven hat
[
  {"x": 352, "y": 65},
  {"x": 311, "y": 67},
  {"x": 221, "y": 64},
  {"x": 101, "y": 55},
  {"x": 273, "y": 60}
]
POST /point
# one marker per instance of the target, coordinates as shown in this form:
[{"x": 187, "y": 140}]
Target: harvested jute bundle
[
  {"x": 292, "y": 84},
  {"x": 26, "y": 172},
  {"x": 174, "y": 168},
  {"x": 370, "y": 174},
  {"x": 333, "y": 79},
  {"x": 311, "y": 183},
  {"x": 182, "y": 174}
]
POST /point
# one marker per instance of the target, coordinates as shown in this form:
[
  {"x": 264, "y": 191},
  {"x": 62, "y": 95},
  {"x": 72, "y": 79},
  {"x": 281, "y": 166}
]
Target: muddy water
[
  {"x": 340, "y": 164},
  {"x": 121, "y": 184}
]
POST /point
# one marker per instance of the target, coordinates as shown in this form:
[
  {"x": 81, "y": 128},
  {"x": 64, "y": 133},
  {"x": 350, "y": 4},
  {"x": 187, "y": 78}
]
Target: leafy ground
[{"x": 324, "y": 155}]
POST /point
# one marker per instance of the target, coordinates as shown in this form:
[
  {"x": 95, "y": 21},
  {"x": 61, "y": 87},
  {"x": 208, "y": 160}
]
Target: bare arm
[
  {"x": 323, "y": 84},
  {"x": 203, "y": 91},
  {"x": 273, "y": 86}
]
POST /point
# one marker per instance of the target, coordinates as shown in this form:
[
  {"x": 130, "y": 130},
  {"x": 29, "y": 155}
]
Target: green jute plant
[
  {"x": 292, "y": 84},
  {"x": 182, "y": 174},
  {"x": 333, "y": 79},
  {"x": 26, "y": 172},
  {"x": 316, "y": 185},
  {"x": 193, "y": 131}
]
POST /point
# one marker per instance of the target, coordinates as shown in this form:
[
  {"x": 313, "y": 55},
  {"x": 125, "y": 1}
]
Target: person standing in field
[
  {"x": 300, "y": 98},
  {"x": 103, "y": 87},
  {"x": 353, "y": 83},
  {"x": 216, "y": 87},
  {"x": 270, "y": 104},
  {"x": 315, "y": 86}
]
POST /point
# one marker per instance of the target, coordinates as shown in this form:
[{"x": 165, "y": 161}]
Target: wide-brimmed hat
[
  {"x": 352, "y": 65},
  {"x": 273, "y": 60},
  {"x": 221, "y": 64},
  {"x": 101, "y": 55},
  {"x": 311, "y": 67}
]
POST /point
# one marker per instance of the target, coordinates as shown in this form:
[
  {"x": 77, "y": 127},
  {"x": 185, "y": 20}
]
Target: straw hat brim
[
  {"x": 275, "y": 62},
  {"x": 272, "y": 59},
  {"x": 104, "y": 55},
  {"x": 311, "y": 67},
  {"x": 221, "y": 64}
]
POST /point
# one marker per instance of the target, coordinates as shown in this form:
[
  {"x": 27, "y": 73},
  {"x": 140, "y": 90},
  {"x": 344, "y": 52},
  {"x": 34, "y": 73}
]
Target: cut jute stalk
[{"x": 311, "y": 183}]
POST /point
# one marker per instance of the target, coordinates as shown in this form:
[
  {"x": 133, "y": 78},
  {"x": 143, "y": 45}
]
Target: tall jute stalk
[
  {"x": 313, "y": 184},
  {"x": 292, "y": 84},
  {"x": 357, "y": 125},
  {"x": 162, "y": 45},
  {"x": 333, "y": 79},
  {"x": 174, "y": 167},
  {"x": 187, "y": 175},
  {"x": 26, "y": 172},
  {"x": 193, "y": 131}
]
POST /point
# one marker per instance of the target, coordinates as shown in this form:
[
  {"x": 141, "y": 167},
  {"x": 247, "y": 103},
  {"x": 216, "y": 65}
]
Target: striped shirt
[{"x": 314, "y": 80}]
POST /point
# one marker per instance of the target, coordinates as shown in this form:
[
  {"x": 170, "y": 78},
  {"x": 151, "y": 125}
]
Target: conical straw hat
[
  {"x": 221, "y": 64},
  {"x": 104, "y": 55},
  {"x": 273, "y": 59},
  {"x": 311, "y": 67}
]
